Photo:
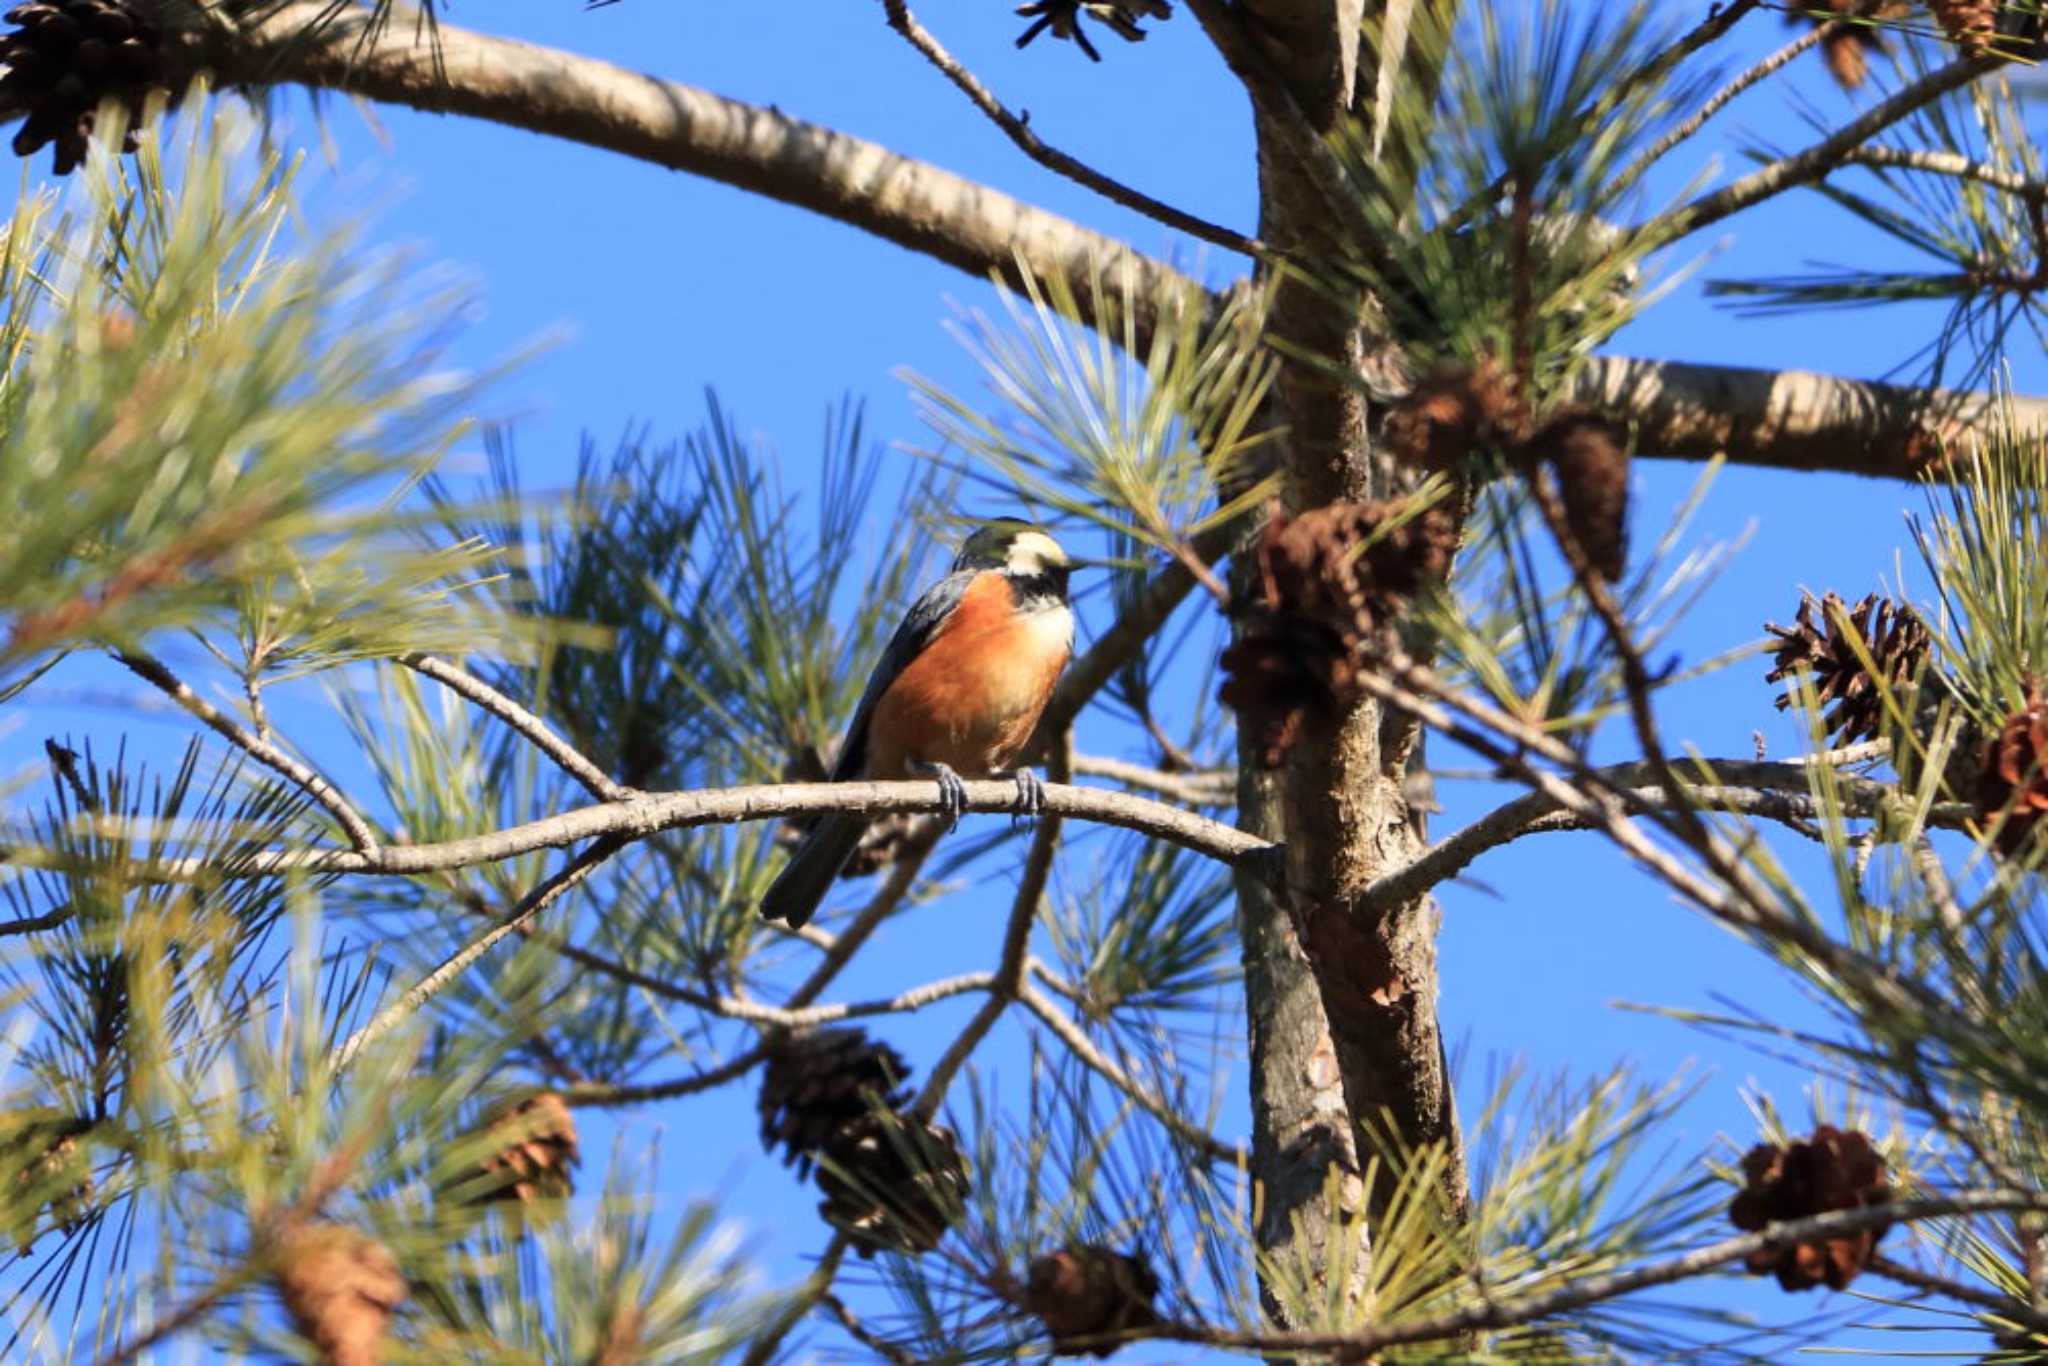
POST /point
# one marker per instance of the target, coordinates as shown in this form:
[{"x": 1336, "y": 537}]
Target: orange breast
[{"x": 972, "y": 697}]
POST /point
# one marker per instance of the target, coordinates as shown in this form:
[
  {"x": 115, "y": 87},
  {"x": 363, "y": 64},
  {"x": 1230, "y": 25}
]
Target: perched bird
[{"x": 956, "y": 695}]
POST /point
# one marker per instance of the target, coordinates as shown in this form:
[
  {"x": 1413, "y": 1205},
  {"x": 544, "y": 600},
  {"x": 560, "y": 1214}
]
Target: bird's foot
[
  {"x": 952, "y": 791},
  {"x": 1030, "y": 795}
]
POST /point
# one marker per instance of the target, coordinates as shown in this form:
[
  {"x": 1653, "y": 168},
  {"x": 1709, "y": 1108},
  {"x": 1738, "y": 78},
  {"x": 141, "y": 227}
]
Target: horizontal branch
[
  {"x": 1773, "y": 791},
  {"x": 453, "y": 70},
  {"x": 647, "y": 814},
  {"x": 1789, "y": 419},
  {"x": 1592, "y": 1290}
]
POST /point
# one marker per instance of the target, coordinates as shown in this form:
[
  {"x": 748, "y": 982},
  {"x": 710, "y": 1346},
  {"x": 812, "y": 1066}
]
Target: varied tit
[{"x": 956, "y": 695}]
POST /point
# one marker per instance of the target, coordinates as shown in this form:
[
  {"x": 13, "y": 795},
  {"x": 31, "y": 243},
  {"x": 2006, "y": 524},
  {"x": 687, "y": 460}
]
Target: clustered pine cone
[
  {"x": 1847, "y": 50},
  {"x": 1589, "y": 455},
  {"x": 1452, "y": 414},
  {"x": 535, "y": 1155},
  {"x": 1063, "y": 17},
  {"x": 1890, "y": 633},
  {"x": 63, "y": 58},
  {"x": 893, "y": 1181},
  {"x": 341, "y": 1288},
  {"x": 1971, "y": 25},
  {"x": 1090, "y": 1298},
  {"x": 2013, "y": 783},
  {"x": 833, "y": 1100},
  {"x": 882, "y": 843},
  {"x": 818, "y": 1082},
  {"x": 55, "y": 1174},
  {"x": 1831, "y": 1170},
  {"x": 1325, "y": 588}
]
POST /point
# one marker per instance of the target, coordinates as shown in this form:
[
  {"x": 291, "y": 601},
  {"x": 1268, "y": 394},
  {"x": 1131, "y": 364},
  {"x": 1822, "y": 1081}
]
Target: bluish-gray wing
[{"x": 923, "y": 618}]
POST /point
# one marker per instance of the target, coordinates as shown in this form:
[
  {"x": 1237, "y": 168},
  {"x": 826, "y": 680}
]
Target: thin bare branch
[
  {"x": 1591, "y": 1290},
  {"x": 2015, "y": 1311},
  {"x": 1018, "y": 130},
  {"x": 543, "y": 737},
  {"x": 1215, "y": 787},
  {"x": 1813, "y": 163},
  {"x": 1083, "y": 1048},
  {"x": 301, "y": 775},
  {"x": 536, "y": 901},
  {"x": 1714, "y": 103},
  {"x": 605, "y": 1095},
  {"x": 1952, "y": 164}
]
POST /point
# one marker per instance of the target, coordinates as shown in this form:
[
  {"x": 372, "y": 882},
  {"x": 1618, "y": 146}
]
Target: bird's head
[{"x": 1014, "y": 546}]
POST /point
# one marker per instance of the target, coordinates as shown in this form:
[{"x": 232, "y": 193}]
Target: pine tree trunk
[{"x": 1341, "y": 1003}]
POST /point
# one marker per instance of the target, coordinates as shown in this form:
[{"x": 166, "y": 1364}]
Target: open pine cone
[
  {"x": 2013, "y": 782},
  {"x": 1830, "y": 1170},
  {"x": 1063, "y": 17},
  {"x": 1327, "y": 583},
  {"x": 1971, "y": 25},
  {"x": 1089, "y": 1297},
  {"x": 893, "y": 1182},
  {"x": 341, "y": 1288},
  {"x": 1891, "y": 634},
  {"x": 64, "y": 57},
  {"x": 537, "y": 1153},
  {"x": 819, "y": 1083}
]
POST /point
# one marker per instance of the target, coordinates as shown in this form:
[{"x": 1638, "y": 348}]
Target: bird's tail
[{"x": 795, "y": 894}]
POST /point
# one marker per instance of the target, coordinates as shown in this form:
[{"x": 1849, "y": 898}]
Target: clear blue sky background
[{"x": 662, "y": 284}]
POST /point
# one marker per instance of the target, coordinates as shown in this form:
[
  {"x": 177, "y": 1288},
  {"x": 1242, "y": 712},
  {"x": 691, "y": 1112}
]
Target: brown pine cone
[
  {"x": 64, "y": 58},
  {"x": 1890, "y": 633},
  {"x": 1590, "y": 457},
  {"x": 1831, "y": 1170},
  {"x": 1849, "y": 48},
  {"x": 1063, "y": 17},
  {"x": 2013, "y": 783},
  {"x": 341, "y": 1288},
  {"x": 538, "y": 1154},
  {"x": 1327, "y": 583},
  {"x": 819, "y": 1083},
  {"x": 893, "y": 1182},
  {"x": 1089, "y": 1298},
  {"x": 1971, "y": 25},
  {"x": 1451, "y": 415}
]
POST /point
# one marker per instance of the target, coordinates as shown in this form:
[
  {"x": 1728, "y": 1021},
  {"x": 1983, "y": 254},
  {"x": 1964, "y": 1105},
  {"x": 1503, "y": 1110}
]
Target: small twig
[
  {"x": 1591, "y": 1290},
  {"x": 262, "y": 751},
  {"x": 1952, "y": 164},
  {"x": 1083, "y": 1048},
  {"x": 1213, "y": 787},
  {"x": 1715, "y": 102},
  {"x": 604, "y": 1095},
  {"x": 766, "y": 1347},
  {"x": 865, "y": 1336},
  {"x": 536, "y": 901},
  {"x": 1814, "y": 162},
  {"x": 1009, "y": 984},
  {"x": 570, "y": 759},
  {"x": 2016, "y": 1311},
  {"x": 1019, "y": 132}
]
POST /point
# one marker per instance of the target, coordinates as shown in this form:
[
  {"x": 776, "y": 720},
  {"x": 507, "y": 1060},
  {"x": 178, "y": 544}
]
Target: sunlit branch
[
  {"x": 543, "y": 737},
  {"x": 262, "y": 751},
  {"x": 1053, "y": 159},
  {"x": 1084, "y": 1049}
]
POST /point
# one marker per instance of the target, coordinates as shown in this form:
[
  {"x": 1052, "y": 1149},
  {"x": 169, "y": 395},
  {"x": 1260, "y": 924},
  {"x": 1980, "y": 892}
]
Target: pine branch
[
  {"x": 2016, "y": 1311},
  {"x": 1018, "y": 130},
  {"x": 536, "y": 901},
  {"x": 1814, "y": 163},
  {"x": 605, "y": 1095},
  {"x": 642, "y": 815},
  {"x": 543, "y": 737},
  {"x": 1214, "y": 787},
  {"x": 270, "y": 756},
  {"x": 1083, "y": 1048},
  {"x": 1592, "y": 1290}
]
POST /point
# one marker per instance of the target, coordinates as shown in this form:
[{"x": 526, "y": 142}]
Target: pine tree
[{"x": 305, "y": 1065}]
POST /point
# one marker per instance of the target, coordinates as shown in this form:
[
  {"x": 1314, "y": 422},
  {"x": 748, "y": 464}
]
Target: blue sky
[{"x": 652, "y": 286}]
